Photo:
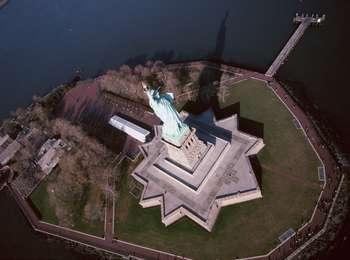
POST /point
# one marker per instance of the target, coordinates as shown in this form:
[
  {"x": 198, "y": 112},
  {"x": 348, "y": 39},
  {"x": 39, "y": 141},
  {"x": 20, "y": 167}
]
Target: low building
[
  {"x": 129, "y": 128},
  {"x": 32, "y": 139},
  {"x": 50, "y": 154},
  {"x": 47, "y": 158},
  {"x": 8, "y": 149},
  {"x": 3, "y": 140}
]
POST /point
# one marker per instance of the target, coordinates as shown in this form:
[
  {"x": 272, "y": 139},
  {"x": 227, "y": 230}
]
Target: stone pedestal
[
  {"x": 201, "y": 175},
  {"x": 189, "y": 152}
]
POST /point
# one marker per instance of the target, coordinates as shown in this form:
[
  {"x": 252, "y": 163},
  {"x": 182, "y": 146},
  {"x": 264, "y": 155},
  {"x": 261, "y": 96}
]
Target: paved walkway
[
  {"x": 109, "y": 215},
  {"x": 114, "y": 246}
]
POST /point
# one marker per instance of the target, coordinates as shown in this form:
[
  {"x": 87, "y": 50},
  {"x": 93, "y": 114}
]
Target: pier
[{"x": 305, "y": 21}]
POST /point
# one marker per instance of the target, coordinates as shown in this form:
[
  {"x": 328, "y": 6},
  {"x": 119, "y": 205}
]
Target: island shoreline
[{"x": 124, "y": 248}]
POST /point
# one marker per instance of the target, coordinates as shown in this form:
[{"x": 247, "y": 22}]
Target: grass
[
  {"x": 290, "y": 188},
  {"x": 81, "y": 223},
  {"x": 41, "y": 199}
]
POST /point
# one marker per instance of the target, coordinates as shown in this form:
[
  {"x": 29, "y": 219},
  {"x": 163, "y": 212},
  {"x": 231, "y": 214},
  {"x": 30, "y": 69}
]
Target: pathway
[
  {"x": 114, "y": 246},
  {"x": 109, "y": 213}
]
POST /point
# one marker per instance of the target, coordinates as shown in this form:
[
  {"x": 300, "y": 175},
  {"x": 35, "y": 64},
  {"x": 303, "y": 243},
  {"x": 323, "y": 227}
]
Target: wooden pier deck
[{"x": 305, "y": 22}]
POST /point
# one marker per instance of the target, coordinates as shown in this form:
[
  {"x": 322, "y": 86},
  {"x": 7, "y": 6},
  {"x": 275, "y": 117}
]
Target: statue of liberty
[{"x": 173, "y": 129}]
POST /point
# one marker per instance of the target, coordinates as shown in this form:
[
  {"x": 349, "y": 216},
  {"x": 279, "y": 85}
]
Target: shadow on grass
[
  {"x": 244, "y": 124},
  {"x": 35, "y": 209},
  {"x": 251, "y": 127},
  {"x": 257, "y": 169}
]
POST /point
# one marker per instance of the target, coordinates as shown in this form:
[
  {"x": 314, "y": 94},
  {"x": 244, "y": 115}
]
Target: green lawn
[
  {"x": 73, "y": 206},
  {"x": 81, "y": 223},
  {"x": 290, "y": 188},
  {"x": 40, "y": 199}
]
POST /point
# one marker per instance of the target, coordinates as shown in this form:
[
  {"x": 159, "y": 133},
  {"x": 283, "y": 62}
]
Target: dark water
[
  {"x": 42, "y": 43},
  {"x": 19, "y": 241}
]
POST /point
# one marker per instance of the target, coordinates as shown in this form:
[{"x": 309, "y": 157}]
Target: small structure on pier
[{"x": 315, "y": 18}]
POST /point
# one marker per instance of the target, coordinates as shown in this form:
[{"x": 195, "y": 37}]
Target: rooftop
[{"x": 129, "y": 128}]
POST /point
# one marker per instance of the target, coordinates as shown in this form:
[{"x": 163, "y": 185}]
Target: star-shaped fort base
[{"x": 222, "y": 176}]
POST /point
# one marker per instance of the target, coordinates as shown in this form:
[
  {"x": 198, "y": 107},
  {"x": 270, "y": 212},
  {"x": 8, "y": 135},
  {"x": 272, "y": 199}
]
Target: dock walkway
[
  {"x": 288, "y": 48},
  {"x": 305, "y": 22}
]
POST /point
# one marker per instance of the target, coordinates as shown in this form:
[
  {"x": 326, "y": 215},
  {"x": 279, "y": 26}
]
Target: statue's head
[
  {"x": 145, "y": 86},
  {"x": 151, "y": 92}
]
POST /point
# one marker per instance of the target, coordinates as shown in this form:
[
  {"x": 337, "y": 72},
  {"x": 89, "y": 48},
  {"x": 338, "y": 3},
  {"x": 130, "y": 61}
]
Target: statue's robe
[{"x": 162, "y": 105}]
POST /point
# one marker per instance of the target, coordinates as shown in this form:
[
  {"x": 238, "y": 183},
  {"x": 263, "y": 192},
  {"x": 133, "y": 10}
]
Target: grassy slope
[
  {"x": 80, "y": 222},
  {"x": 40, "y": 198},
  {"x": 289, "y": 186}
]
